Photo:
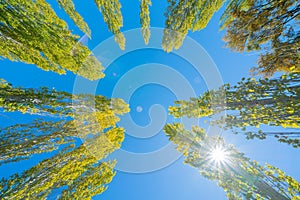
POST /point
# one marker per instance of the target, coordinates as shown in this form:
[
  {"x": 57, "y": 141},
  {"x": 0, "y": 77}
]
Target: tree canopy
[
  {"x": 183, "y": 16},
  {"x": 69, "y": 8},
  {"x": 270, "y": 26},
  {"x": 31, "y": 32},
  {"x": 237, "y": 175},
  {"x": 111, "y": 11},
  {"x": 251, "y": 103},
  {"x": 78, "y": 171},
  {"x": 145, "y": 19},
  {"x": 51, "y": 102}
]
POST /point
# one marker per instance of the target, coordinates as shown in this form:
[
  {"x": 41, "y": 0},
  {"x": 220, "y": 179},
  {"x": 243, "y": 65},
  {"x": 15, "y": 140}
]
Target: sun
[{"x": 218, "y": 155}]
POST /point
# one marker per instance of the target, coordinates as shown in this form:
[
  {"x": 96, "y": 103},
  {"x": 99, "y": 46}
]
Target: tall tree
[
  {"x": 251, "y": 103},
  {"x": 145, "y": 19},
  {"x": 31, "y": 32},
  {"x": 83, "y": 115},
  {"x": 186, "y": 15},
  {"x": 111, "y": 11},
  {"x": 21, "y": 141},
  {"x": 78, "y": 172},
  {"x": 237, "y": 175},
  {"x": 51, "y": 102},
  {"x": 69, "y": 8},
  {"x": 270, "y": 26}
]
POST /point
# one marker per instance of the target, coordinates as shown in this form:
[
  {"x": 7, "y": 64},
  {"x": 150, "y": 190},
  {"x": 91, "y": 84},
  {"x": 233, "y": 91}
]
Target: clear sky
[{"x": 176, "y": 181}]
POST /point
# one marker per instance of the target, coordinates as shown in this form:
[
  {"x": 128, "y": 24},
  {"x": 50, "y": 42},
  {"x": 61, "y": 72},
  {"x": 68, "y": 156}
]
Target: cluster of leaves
[
  {"x": 145, "y": 19},
  {"x": 49, "y": 101},
  {"x": 90, "y": 118},
  {"x": 31, "y": 32},
  {"x": 111, "y": 11},
  {"x": 251, "y": 103},
  {"x": 69, "y": 8},
  {"x": 183, "y": 16},
  {"x": 237, "y": 175},
  {"x": 77, "y": 172},
  {"x": 271, "y": 26}
]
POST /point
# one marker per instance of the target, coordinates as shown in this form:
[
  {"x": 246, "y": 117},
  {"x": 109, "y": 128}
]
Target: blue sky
[{"x": 177, "y": 181}]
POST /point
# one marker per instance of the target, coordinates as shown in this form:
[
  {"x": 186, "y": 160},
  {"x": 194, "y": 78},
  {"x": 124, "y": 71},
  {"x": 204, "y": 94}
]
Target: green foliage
[
  {"x": 31, "y": 32},
  {"x": 69, "y": 8},
  {"x": 251, "y": 103},
  {"x": 183, "y": 16},
  {"x": 237, "y": 175},
  {"x": 145, "y": 19},
  {"x": 111, "y": 11},
  {"x": 20, "y": 141},
  {"x": 76, "y": 169},
  {"x": 270, "y": 26},
  {"x": 45, "y": 101}
]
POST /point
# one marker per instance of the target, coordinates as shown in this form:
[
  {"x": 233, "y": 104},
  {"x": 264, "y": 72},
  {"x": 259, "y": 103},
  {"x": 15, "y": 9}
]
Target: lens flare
[{"x": 219, "y": 155}]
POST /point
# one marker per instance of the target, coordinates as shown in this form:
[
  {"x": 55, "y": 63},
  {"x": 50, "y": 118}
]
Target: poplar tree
[
  {"x": 51, "y": 102},
  {"x": 69, "y": 8},
  {"x": 31, "y": 32},
  {"x": 80, "y": 115},
  {"x": 111, "y": 11},
  {"x": 250, "y": 104},
  {"x": 145, "y": 19},
  {"x": 79, "y": 172},
  {"x": 183, "y": 16},
  {"x": 240, "y": 177},
  {"x": 271, "y": 27}
]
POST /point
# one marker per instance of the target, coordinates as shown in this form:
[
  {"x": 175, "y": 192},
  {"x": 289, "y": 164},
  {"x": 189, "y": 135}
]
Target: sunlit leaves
[
  {"x": 271, "y": 26},
  {"x": 251, "y": 103},
  {"x": 111, "y": 11},
  {"x": 31, "y": 32},
  {"x": 183, "y": 16},
  {"x": 145, "y": 19},
  {"x": 237, "y": 175},
  {"x": 69, "y": 8},
  {"x": 76, "y": 171}
]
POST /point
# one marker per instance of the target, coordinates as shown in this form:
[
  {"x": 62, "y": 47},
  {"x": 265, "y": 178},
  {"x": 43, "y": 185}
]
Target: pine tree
[
  {"x": 145, "y": 19},
  {"x": 251, "y": 103},
  {"x": 237, "y": 175},
  {"x": 183, "y": 16},
  {"x": 268, "y": 26}
]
